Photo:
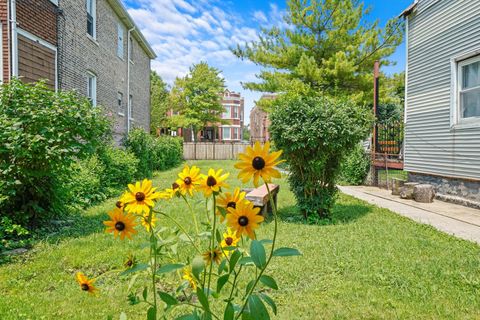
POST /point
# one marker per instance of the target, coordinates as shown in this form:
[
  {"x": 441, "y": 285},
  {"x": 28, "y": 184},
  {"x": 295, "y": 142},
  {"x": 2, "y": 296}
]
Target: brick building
[
  {"x": 91, "y": 46},
  {"x": 259, "y": 122}
]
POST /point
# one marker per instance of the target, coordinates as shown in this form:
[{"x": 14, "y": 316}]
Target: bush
[
  {"x": 153, "y": 153},
  {"x": 315, "y": 134},
  {"x": 355, "y": 166},
  {"x": 42, "y": 134},
  {"x": 120, "y": 167}
]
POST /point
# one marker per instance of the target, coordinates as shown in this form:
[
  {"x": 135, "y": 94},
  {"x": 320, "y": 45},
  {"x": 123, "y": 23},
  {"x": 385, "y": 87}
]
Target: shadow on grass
[{"x": 342, "y": 213}]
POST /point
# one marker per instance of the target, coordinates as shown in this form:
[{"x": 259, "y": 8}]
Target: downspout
[
  {"x": 14, "y": 45},
  {"x": 129, "y": 109}
]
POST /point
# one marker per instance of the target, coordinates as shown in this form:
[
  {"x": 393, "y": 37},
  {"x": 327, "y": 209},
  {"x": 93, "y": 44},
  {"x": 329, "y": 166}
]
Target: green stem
[
  {"x": 212, "y": 243},
  {"x": 274, "y": 210},
  {"x": 153, "y": 249},
  {"x": 234, "y": 282},
  {"x": 193, "y": 214}
]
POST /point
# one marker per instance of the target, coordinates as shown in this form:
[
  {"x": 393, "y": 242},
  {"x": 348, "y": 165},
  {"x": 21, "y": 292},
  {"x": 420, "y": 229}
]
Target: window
[
  {"x": 235, "y": 113},
  {"x": 468, "y": 84},
  {"x": 120, "y": 104},
  {"x": 226, "y": 133},
  {"x": 130, "y": 106},
  {"x": 235, "y": 133},
  {"x": 91, "y": 18},
  {"x": 92, "y": 88},
  {"x": 226, "y": 114},
  {"x": 120, "y": 43}
]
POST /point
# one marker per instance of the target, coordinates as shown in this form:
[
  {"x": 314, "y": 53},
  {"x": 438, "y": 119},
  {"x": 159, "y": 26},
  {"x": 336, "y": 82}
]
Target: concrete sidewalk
[{"x": 454, "y": 219}]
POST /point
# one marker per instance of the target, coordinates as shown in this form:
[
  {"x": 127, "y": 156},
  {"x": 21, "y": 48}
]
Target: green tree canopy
[
  {"x": 197, "y": 96},
  {"x": 328, "y": 47},
  {"x": 159, "y": 101}
]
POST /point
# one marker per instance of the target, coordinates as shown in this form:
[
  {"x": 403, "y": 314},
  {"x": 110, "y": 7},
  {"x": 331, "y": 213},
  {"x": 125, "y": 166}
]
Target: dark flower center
[
  {"x": 232, "y": 204},
  {"x": 175, "y": 185},
  {"x": 258, "y": 163},
  {"x": 119, "y": 204},
  {"x": 187, "y": 180},
  {"x": 120, "y": 226},
  {"x": 243, "y": 221},
  {"x": 229, "y": 241},
  {"x": 129, "y": 263},
  {"x": 85, "y": 287},
  {"x": 140, "y": 196},
  {"x": 211, "y": 181}
]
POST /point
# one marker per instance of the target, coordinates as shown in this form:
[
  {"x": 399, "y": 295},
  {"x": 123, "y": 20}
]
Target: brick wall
[
  {"x": 38, "y": 17},
  {"x": 5, "y": 37},
  {"x": 79, "y": 53}
]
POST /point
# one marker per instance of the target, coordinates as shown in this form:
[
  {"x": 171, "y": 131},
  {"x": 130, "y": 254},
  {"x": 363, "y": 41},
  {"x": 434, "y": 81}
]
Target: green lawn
[{"x": 368, "y": 263}]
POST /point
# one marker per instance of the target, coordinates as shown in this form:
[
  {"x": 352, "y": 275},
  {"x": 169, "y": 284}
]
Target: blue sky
[{"x": 183, "y": 32}]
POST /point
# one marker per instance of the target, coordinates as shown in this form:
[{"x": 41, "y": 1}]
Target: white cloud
[{"x": 260, "y": 16}]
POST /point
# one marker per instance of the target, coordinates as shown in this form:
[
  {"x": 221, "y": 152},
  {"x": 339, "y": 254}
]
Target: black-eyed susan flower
[
  {"x": 140, "y": 197},
  {"x": 229, "y": 200},
  {"x": 148, "y": 219},
  {"x": 244, "y": 219},
  {"x": 188, "y": 275},
  {"x": 214, "y": 255},
  {"x": 85, "y": 283},
  {"x": 189, "y": 178},
  {"x": 230, "y": 239},
  {"x": 120, "y": 223},
  {"x": 259, "y": 163},
  {"x": 213, "y": 182},
  {"x": 173, "y": 191}
]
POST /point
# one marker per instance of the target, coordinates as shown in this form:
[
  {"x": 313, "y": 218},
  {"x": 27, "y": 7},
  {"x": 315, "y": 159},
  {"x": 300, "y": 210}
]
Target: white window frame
[
  {"x": 93, "y": 76},
  {"x": 130, "y": 106},
  {"x": 229, "y": 130},
  {"x": 120, "y": 41},
  {"x": 94, "y": 18},
  {"x": 227, "y": 114},
  {"x": 121, "y": 110},
  {"x": 457, "y": 62},
  {"x": 235, "y": 133},
  {"x": 55, "y": 2}
]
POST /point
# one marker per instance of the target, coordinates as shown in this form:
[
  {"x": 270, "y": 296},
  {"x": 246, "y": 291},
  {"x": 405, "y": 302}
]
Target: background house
[
  {"x": 443, "y": 97},
  {"x": 259, "y": 122},
  {"x": 91, "y": 46}
]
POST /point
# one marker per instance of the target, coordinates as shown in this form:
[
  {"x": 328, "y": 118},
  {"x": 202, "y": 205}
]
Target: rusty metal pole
[{"x": 376, "y": 74}]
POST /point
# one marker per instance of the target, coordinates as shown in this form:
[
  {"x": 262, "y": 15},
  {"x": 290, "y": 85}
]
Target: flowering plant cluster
[{"x": 226, "y": 279}]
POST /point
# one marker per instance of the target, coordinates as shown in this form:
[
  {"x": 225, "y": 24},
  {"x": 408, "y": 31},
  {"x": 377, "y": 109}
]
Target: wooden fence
[{"x": 213, "y": 150}]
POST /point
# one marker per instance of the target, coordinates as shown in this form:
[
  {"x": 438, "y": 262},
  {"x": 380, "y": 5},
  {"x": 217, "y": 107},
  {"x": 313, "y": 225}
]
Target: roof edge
[
  {"x": 408, "y": 10},
  {"x": 125, "y": 17}
]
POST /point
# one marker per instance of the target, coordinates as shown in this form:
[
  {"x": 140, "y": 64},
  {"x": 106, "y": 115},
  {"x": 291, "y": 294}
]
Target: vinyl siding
[{"x": 439, "y": 30}]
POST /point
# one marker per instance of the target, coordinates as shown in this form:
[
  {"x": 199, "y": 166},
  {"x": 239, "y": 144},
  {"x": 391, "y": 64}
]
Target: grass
[{"x": 367, "y": 263}]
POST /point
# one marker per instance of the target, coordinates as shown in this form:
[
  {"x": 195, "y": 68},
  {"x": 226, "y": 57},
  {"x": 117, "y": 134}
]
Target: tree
[
  {"x": 327, "y": 48},
  {"x": 246, "y": 133},
  {"x": 197, "y": 96},
  {"x": 159, "y": 101}
]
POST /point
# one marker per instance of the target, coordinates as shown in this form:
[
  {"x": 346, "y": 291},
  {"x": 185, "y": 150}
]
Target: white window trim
[
  {"x": 230, "y": 134},
  {"x": 120, "y": 27},
  {"x": 119, "y": 112},
  {"x": 94, "y": 17},
  {"x": 456, "y": 122},
  {"x": 55, "y": 2},
  {"x": 94, "y": 89},
  {"x": 42, "y": 42}
]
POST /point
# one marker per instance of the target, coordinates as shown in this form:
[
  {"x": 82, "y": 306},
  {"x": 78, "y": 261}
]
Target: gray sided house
[
  {"x": 442, "y": 135},
  {"x": 91, "y": 46}
]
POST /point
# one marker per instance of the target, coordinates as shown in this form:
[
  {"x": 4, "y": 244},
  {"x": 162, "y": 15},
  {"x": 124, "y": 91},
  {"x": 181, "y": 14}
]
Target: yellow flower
[
  {"x": 140, "y": 197},
  {"x": 174, "y": 191},
  {"x": 148, "y": 217},
  {"x": 259, "y": 163},
  {"x": 189, "y": 178},
  {"x": 229, "y": 200},
  {"x": 187, "y": 275},
  {"x": 85, "y": 283},
  {"x": 214, "y": 255},
  {"x": 230, "y": 239},
  {"x": 244, "y": 219},
  {"x": 120, "y": 223},
  {"x": 213, "y": 181}
]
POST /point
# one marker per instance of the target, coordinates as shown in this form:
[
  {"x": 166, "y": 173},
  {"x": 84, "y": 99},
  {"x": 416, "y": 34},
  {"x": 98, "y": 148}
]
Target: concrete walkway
[{"x": 454, "y": 219}]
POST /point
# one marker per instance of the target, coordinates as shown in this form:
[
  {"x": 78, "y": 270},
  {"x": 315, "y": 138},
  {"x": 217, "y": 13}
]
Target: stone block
[
  {"x": 397, "y": 184},
  {"x": 423, "y": 193},
  {"x": 406, "y": 192}
]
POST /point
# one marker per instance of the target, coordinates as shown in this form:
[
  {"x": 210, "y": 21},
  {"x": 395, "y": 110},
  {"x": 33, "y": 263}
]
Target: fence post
[
  {"x": 214, "y": 147},
  {"x": 233, "y": 157},
  {"x": 195, "y": 151}
]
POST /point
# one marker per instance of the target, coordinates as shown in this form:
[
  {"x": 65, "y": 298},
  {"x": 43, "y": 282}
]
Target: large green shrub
[
  {"x": 315, "y": 134},
  {"x": 120, "y": 167},
  {"x": 355, "y": 166},
  {"x": 153, "y": 153},
  {"x": 42, "y": 134}
]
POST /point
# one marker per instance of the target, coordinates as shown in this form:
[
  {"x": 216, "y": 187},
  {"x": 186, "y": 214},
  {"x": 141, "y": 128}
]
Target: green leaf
[
  {"x": 270, "y": 302},
  {"x": 197, "y": 266},
  {"x": 257, "y": 253},
  {"x": 219, "y": 236},
  {"x": 266, "y": 241},
  {"x": 203, "y": 299},
  {"x": 188, "y": 317},
  {"x": 222, "y": 266},
  {"x": 269, "y": 282},
  {"x": 167, "y": 298},
  {"x": 152, "y": 313},
  {"x": 170, "y": 267},
  {"x": 236, "y": 255},
  {"x": 244, "y": 261},
  {"x": 136, "y": 268},
  {"x": 257, "y": 308},
  {"x": 229, "y": 312},
  {"x": 145, "y": 293},
  {"x": 286, "y": 252},
  {"x": 249, "y": 286},
  {"x": 221, "y": 282}
]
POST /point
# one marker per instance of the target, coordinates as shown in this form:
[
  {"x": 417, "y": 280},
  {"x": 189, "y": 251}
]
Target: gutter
[
  {"x": 405, "y": 13},
  {"x": 14, "y": 40},
  {"x": 129, "y": 105}
]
